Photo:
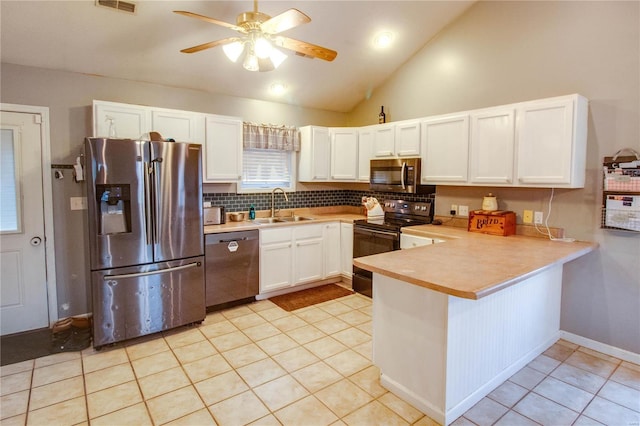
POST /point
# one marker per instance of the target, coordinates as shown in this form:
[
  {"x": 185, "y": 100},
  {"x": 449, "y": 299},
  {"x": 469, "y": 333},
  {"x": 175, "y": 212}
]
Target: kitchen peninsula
[{"x": 451, "y": 321}]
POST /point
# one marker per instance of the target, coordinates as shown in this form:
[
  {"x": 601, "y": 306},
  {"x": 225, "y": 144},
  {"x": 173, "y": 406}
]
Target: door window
[{"x": 10, "y": 215}]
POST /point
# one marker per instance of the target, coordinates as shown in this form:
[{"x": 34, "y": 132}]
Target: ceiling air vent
[{"x": 123, "y": 6}]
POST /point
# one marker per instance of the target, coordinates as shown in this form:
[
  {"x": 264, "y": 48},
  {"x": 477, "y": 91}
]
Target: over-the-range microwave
[{"x": 397, "y": 175}]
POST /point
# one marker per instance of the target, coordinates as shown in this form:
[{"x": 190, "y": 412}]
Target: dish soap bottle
[{"x": 252, "y": 213}]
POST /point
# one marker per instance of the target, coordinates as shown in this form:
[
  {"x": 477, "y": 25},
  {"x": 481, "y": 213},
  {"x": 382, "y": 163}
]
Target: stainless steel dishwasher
[{"x": 232, "y": 266}]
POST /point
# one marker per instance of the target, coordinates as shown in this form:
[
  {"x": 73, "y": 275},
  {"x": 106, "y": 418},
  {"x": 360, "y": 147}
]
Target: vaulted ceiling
[{"x": 80, "y": 36}]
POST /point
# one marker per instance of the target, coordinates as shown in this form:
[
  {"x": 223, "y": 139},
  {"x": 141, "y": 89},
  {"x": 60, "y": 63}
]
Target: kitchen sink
[
  {"x": 269, "y": 220},
  {"x": 295, "y": 218},
  {"x": 282, "y": 219}
]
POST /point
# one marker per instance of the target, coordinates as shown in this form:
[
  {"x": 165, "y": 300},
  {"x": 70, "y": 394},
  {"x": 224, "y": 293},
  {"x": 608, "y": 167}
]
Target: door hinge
[{"x": 37, "y": 119}]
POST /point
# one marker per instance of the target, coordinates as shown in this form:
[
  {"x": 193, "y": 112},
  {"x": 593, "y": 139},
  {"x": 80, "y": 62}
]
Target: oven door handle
[
  {"x": 402, "y": 173},
  {"x": 383, "y": 234}
]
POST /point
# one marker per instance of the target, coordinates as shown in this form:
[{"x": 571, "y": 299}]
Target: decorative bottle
[
  {"x": 252, "y": 213},
  {"x": 382, "y": 118}
]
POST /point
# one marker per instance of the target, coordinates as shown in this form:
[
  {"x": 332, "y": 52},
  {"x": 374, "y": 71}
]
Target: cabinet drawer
[
  {"x": 277, "y": 235},
  {"x": 308, "y": 231}
]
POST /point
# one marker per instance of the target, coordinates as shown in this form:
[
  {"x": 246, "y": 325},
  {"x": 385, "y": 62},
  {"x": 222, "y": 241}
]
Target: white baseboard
[{"x": 601, "y": 347}]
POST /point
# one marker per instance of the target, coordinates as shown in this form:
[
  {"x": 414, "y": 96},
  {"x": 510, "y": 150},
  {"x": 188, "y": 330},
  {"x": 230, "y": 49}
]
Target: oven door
[{"x": 365, "y": 243}]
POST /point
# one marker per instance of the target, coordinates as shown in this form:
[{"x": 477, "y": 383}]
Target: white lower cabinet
[
  {"x": 308, "y": 263},
  {"x": 276, "y": 258},
  {"x": 346, "y": 249},
  {"x": 332, "y": 250},
  {"x": 296, "y": 255}
]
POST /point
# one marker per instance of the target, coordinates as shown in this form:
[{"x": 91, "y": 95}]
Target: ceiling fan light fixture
[
  {"x": 262, "y": 47},
  {"x": 233, "y": 50},
  {"x": 251, "y": 62},
  {"x": 277, "y": 57}
]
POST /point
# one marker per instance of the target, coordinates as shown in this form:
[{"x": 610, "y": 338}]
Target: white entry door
[{"x": 23, "y": 285}]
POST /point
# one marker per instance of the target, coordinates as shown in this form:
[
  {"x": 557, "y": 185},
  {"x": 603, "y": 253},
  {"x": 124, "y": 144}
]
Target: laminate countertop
[
  {"x": 471, "y": 265},
  {"x": 313, "y": 214}
]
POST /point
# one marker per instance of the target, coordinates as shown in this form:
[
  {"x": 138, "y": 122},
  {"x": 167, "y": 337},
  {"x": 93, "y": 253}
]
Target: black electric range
[{"x": 382, "y": 234}]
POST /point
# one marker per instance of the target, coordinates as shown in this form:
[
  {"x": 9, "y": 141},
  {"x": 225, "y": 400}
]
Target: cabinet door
[
  {"x": 223, "y": 149},
  {"x": 124, "y": 121},
  {"x": 332, "y": 250},
  {"x": 545, "y": 137},
  {"x": 384, "y": 141},
  {"x": 346, "y": 248},
  {"x": 407, "y": 135},
  {"x": 492, "y": 145},
  {"x": 344, "y": 154},
  {"x": 308, "y": 264},
  {"x": 275, "y": 266},
  {"x": 365, "y": 144},
  {"x": 445, "y": 149},
  {"x": 181, "y": 126},
  {"x": 314, "y": 157}
]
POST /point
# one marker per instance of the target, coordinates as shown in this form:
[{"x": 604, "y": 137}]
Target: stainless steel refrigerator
[{"x": 146, "y": 236}]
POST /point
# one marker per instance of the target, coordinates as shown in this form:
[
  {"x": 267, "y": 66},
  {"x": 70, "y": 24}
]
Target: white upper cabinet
[
  {"x": 407, "y": 138},
  {"x": 492, "y": 146},
  {"x": 384, "y": 140},
  {"x": 223, "y": 149},
  {"x": 344, "y": 153},
  {"x": 365, "y": 143},
  {"x": 116, "y": 120},
  {"x": 551, "y": 142},
  {"x": 314, "y": 157},
  {"x": 181, "y": 126},
  {"x": 445, "y": 149}
]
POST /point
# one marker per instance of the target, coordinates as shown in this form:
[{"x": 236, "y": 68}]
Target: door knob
[{"x": 35, "y": 241}]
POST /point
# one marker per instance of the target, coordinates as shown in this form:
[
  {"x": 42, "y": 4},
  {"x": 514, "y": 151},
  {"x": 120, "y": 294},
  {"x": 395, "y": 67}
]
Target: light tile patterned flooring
[{"x": 257, "y": 364}]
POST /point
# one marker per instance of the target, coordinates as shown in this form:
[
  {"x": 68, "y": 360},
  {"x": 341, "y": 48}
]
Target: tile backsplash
[{"x": 233, "y": 202}]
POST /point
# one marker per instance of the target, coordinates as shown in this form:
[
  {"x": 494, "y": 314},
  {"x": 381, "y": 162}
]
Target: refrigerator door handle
[
  {"x": 147, "y": 202},
  {"x": 158, "y": 271},
  {"x": 156, "y": 207}
]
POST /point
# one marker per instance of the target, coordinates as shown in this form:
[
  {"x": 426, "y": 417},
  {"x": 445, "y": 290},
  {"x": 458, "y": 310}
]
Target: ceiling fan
[{"x": 260, "y": 39}]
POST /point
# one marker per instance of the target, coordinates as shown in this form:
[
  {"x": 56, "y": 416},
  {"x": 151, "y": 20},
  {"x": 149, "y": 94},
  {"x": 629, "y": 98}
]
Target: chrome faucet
[{"x": 273, "y": 197}]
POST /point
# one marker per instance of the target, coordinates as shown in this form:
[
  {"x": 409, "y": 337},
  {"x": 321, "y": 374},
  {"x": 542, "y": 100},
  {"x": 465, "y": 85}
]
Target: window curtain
[{"x": 267, "y": 136}]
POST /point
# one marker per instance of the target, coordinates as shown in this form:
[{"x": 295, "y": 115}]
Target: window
[
  {"x": 265, "y": 169},
  {"x": 10, "y": 214}
]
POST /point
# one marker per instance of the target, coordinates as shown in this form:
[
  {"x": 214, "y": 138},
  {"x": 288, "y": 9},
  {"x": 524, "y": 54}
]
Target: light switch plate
[
  {"x": 527, "y": 216},
  {"x": 78, "y": 203}
]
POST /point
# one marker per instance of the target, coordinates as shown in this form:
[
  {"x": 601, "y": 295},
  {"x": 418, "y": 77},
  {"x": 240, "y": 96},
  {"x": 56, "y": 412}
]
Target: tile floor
[{"x": 257, "y": 364}]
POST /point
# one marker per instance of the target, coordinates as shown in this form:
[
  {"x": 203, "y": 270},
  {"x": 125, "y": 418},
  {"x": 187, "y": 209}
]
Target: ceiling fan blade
[
  {"x": 307, "y": 49},
  {"x": 210, "y": 20},
  {"x": 285, "y": 21},
  {"x": 209, "y": 45}
]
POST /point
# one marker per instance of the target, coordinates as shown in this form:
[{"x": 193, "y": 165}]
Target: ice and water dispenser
[{"x": 114, "y": 207}]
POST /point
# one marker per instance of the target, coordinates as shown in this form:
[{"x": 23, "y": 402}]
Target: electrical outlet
[
  {"x": 78, "y": 203},
  {"x": 527, "y": 216},
  {"x": 454, "y": 209},
  {"x": 537, "y": 218},
  {"x": 463, "y": 210}
]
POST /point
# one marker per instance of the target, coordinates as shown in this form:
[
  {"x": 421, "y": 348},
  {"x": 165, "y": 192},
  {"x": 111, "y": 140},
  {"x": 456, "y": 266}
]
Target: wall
[
  {"x": 69, "y": 97},
  {"x": 504, "y": 52}
]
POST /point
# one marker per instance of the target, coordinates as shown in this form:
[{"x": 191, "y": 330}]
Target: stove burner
[{"x": 399, "y": 213}]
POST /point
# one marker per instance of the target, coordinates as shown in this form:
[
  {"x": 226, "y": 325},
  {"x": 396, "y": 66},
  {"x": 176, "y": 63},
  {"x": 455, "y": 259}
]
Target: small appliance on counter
[
  {"x": 490, "y": 202},
  {"x": 214, "y": 215},
  {"x": 374, "y": 210}
]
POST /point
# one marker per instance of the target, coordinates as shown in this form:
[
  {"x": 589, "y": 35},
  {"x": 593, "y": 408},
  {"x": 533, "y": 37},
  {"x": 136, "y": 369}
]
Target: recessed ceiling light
[
  {"x": 278, "y": 88},
  {"x": 383, "y": 39}
]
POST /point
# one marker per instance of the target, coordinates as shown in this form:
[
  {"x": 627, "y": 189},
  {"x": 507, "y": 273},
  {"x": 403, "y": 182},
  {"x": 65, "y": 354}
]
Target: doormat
[
  {"x": 311, "y": 296},
  {"x": 65, "y": 337}
]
